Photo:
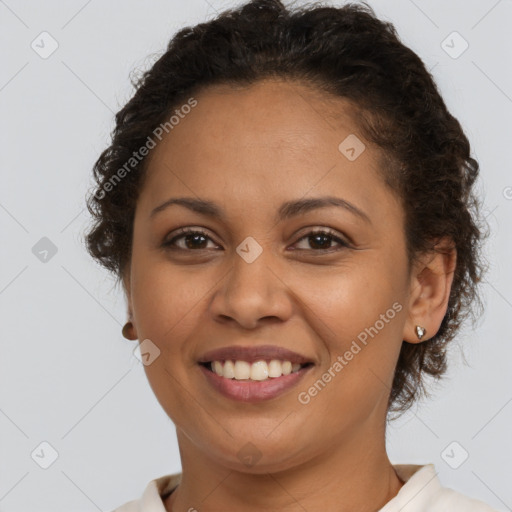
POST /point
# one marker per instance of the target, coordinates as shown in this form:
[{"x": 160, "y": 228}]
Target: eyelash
[{"x": 170, "y": 244}]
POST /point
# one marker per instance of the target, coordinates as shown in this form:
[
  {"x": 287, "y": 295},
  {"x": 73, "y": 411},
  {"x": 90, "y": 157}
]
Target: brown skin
[{"x": 249, "y": 150}]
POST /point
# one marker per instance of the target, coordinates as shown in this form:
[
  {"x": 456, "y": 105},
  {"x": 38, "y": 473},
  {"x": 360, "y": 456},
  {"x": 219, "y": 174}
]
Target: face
[{"x": 326, "y": 281}]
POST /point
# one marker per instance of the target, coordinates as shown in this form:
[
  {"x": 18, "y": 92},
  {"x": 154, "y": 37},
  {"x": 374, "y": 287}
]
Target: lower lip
[{"x": 251, "y": 390}]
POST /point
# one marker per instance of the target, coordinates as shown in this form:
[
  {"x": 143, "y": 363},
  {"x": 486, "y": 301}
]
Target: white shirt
[{"x": 421, "y": 492}]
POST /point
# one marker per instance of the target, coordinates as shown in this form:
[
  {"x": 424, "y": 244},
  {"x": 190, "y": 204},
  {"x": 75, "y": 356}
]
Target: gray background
[{"x": 67, "y": 375}]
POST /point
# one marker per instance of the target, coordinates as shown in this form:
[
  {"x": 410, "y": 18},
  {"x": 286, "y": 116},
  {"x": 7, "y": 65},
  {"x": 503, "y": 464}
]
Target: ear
[
  {"x": 430, "y": 286},
  {"x": 130, "y": 332}
]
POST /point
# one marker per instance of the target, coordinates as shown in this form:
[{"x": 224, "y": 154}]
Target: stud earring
[{"x": 420, "y": 331}]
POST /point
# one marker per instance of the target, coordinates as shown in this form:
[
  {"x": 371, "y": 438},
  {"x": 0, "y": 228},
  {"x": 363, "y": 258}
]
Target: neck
[{"x": 355, "y": 476}]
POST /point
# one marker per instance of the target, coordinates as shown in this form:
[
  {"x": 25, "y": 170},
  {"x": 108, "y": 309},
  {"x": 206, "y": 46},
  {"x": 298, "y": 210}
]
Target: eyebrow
[{"x": 287, "y": 210}]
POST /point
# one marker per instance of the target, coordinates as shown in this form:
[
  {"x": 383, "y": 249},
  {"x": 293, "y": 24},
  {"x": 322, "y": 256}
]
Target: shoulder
[
  {"x": 130, "y": 506},
  {"x": 153, "y": 495},
  {"x": 422, "y": 492},
  {"x": 451, "y": 500}
]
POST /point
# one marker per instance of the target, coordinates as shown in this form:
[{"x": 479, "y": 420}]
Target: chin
[{"x": 259, "y": 455}]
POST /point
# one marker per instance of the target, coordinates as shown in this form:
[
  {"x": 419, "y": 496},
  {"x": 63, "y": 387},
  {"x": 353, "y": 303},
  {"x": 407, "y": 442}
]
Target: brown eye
[
  {"x": 193, "y": 239},
  {"x": 321, "y": 240}
]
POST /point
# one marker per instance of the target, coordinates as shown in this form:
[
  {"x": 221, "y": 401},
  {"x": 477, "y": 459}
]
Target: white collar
[{"x": 421, "y": 484}]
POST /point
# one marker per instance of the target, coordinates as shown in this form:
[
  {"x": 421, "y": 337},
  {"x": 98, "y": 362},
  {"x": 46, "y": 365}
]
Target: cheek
[
  {"x": 346, "y": 300},
  {"x": 166, "y": 302},
  {"x": 358, "y": 315},
  {"x": 363, "y": 344}
]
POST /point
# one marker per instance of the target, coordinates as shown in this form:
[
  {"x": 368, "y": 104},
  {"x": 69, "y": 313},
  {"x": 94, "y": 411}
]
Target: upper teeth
[{"x": 259, "y": 370}]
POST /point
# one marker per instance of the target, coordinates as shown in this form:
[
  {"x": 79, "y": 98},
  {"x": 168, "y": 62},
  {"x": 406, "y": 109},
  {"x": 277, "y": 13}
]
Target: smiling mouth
[{"x": 256, "y": 371}]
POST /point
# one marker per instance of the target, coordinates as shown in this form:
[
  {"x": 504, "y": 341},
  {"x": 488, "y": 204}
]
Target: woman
[{"x": 288, "y": 205}]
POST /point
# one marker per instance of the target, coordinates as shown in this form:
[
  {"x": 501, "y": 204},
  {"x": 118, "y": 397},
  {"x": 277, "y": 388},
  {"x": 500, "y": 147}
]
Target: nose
[{"x": 252, "y": 293}]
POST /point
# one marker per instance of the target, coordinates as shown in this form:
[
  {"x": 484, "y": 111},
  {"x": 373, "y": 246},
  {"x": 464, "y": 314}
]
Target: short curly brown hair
[{"x": 347, "y": 52}]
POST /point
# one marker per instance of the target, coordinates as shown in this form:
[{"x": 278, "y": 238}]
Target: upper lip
[{"x": 252, "y": 354}]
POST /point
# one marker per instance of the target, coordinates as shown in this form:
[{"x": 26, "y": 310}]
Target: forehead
[
  {"x": 273, "y": 112},
  {"x": 273, "y": 138}
]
